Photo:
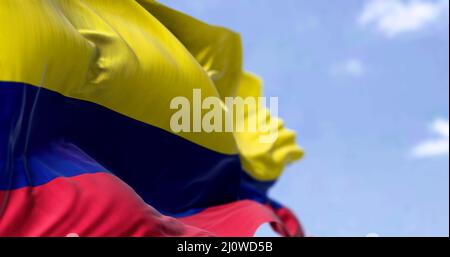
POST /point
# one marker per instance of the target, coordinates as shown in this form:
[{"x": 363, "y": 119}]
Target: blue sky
[{"x": 366, "y": 86}]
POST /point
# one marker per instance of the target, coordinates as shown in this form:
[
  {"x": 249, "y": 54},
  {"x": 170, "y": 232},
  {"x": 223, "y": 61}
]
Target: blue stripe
[
  {"x": 254, "y": 189},
  {"x": 32, "y": 153},
  {"x": 59, "y": 159},
  {"x": 168, "y": 172}
]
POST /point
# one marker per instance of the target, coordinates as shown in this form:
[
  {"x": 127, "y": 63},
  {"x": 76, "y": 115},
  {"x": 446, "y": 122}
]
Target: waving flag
[{"x": 86, "y": 146}]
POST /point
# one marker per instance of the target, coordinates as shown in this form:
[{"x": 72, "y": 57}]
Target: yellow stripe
[
  {"x": 262, "y": 160},
  {"x": 113, "y": 53}
]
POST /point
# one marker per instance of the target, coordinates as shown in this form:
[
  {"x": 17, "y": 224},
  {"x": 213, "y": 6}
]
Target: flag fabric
[{"x": 85, "y": 142}]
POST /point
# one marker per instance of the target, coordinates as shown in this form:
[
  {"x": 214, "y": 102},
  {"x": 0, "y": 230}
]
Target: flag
[{"x": 86, "y": 146}]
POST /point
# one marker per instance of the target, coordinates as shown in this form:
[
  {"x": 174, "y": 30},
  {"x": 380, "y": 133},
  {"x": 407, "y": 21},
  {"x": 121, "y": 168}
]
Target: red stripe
[
  {"x": 289, "y": 226},
  {"x": 100, "y": 204},
  {"x": 243, "y": 218},
  {"x": 87, "y": 205}
]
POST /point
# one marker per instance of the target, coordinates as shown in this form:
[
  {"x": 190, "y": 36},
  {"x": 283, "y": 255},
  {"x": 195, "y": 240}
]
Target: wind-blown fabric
[{"x": 85, "y": 141}]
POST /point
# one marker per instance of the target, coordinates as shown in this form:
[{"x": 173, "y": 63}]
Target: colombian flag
[{"x": 85, "y": 143}]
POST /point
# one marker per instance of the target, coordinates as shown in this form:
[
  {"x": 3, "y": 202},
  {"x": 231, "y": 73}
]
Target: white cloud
[
  {"x": 352, "y": 67},
  {"x": 438, "y": 146},
  {"x": 393, "y": 17}
]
